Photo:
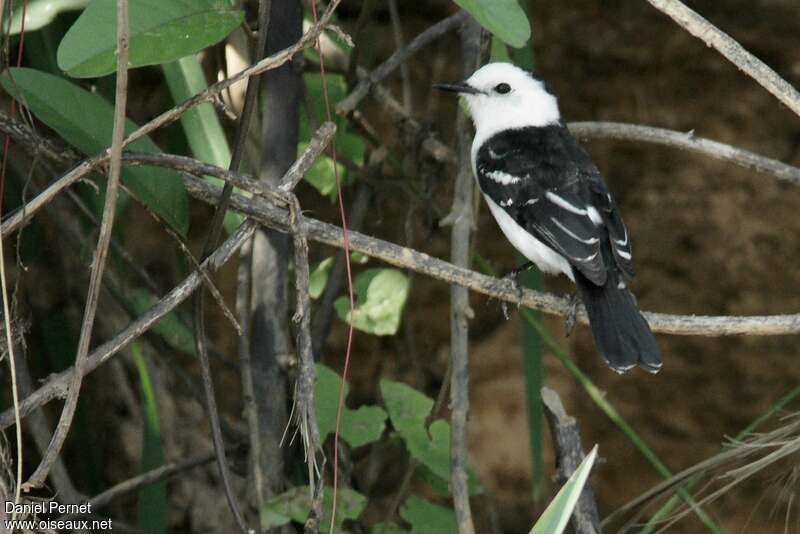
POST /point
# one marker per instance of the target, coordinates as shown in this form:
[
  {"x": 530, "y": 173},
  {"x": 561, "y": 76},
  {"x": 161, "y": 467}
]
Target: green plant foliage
[
  {"x": 428, "y": 518},
  {"x": 382, "y": 294},
  {"x": 318, "y": 278},
  {"x": 358, "y": 427},
  {"x": 160, "y": 31},
  {"x": 153, "y": 497},
  {"x": 185, "y": 78},
  {"x": 40, "y": 13},
  {"x": 504, "y": 18},
  {"x": 408, "y": 410},
  {"x": 348, "y": 145},
  {"x": 556, "y": 516},
  {"x": 169, "y": 327},
  {"x": 294, "y": 505},
  {"x": 85, "y": 120}
]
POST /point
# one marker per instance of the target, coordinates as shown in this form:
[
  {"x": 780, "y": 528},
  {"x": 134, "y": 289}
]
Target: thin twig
[
  {"x": 212, "y": 238},
  {"x": 462, "y": 220},
  {"x": 399, "y": 43},
  {"x": 695, "y": 24},
  {"x": 319, "y": 142},
  {"x": 58, "y": 385},
  {"x": 687, "y": 141},
  {"x": 106, "y": 227},
  {"x": 362, "y": 89},
  {"x": 272, "y": 62}
]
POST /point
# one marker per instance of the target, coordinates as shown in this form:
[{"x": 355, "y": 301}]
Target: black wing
[{"x": 547, "y": 183}]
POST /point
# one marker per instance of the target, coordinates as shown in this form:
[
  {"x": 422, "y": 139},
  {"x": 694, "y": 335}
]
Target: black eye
[{"x": 502, "y": 88}]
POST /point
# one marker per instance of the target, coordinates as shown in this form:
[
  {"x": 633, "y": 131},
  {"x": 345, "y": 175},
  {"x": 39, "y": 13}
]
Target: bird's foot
[
  {"x": 513, "y": 276},
  {"x": 572, "y": 314}
]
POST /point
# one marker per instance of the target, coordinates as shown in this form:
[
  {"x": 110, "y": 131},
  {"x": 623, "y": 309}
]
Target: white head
[{"x": 502, "y": 96}]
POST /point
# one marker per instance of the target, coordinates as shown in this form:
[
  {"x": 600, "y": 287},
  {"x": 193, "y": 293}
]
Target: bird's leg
[
  {"x": 572, "y": 314},
  {"x": 514, "y": 277}
]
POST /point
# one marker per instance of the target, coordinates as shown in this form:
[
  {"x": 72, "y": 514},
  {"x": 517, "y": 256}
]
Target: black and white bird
[{"x": 553, "y": 206}]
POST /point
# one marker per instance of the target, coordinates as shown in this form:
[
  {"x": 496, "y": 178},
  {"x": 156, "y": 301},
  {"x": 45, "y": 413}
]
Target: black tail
[{"x": 622, "y": 335}]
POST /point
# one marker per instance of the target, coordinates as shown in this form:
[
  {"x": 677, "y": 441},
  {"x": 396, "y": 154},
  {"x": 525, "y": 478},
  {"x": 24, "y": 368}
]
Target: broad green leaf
[
  {"x": 318, "y": 278},
  {"x": 428, "y": 518},
  {"x": 555, "y": 518},
  {"x": 175, "y": 333},
  {"x": 40, "y": 13},
  {"x": 85, "y": 120},
  {"x": 294, "y": 505},
  {"x": 499, "y": 51},
  {"x": 359, "y": 258},
  {"x": 382, "y": 295},
  {"x": 504, "y": 18},
  {"x": 152, "y": 498},
  {"x": 185, "y": 78},
  {"x": 358, "y": 427},
  {"x": 160, "y": 31},
  {"x": 408, "y": 410}
]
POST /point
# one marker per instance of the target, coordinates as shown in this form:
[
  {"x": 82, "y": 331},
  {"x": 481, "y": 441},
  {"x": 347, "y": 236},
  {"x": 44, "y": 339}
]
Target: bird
[{"x": 553, "y": 206}]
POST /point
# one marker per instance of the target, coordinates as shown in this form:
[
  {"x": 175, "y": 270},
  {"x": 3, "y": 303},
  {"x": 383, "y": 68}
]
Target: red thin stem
[{"x": 346, "y": 240}]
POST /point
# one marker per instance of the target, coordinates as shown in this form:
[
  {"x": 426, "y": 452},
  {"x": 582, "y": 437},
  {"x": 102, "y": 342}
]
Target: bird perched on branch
[{"x": 553, "y": 206}]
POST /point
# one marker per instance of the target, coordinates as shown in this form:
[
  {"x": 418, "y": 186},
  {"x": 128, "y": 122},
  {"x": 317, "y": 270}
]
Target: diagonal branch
[
  {"x": 695, "y": 24},
  {"x": 65, "y": 422}
]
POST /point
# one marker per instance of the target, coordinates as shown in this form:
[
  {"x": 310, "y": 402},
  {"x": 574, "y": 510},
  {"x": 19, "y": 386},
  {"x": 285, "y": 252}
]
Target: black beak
[{"x": 457, "y": 87}]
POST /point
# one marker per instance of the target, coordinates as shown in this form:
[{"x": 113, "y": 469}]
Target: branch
[
  {"x": 695, "y": 24},
  {"x": 463, "y": 221},
  {"x": 112, "y": 189},
  {"x": 569, "y": 454},
  {"x": 686, "y": 141},
  {"x": 693, "y": 325},
  {"x": 57, "y": 386},
  {"x": 361, "y": 90},
  {"x": 208, "y": 95}
]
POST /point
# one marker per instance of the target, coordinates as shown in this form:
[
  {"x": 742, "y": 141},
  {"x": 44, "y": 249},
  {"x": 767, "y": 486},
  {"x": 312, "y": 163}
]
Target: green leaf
[
  {"x": 382, "y": 294},
  {"x": 504, "y": 18},
  {"x": 40, "y": 13},
  {"x": 358, "y": 427},
  {"x": 152, "y": 498},
  {"x": 408, "y": 409},
  {"x": 85, "y": 120},
  {"x": 185, "y": 78},
  {"x": 555, "y": 518},
  {"x": 428, "y": 518},
  {"x": 169, "y": 327},
  {"x": 318, "y": 278},
  {"x": 160, "y": 31},
  {"x": 294, "y": 505}
]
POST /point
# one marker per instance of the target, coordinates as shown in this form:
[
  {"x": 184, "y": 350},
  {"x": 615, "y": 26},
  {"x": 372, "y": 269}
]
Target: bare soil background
[{"x": 709, "y": 238}]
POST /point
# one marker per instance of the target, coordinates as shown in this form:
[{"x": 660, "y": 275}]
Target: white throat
[{"x": 492, "y": 115}]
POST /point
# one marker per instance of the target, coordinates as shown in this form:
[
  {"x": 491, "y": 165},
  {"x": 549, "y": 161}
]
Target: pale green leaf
[
  {"x": 85, "y": 120},
  {"x": 358, "y": 427},
  {"x": 428, "y": 518},
  {"x": 382, "y": 295},
  {"x": 504, "y": 18},
  {"x": 40, "y": 13},
  {"x": 408, "y": 410},
  {"x": 555, "y": 518},
  {"x": 318, "y": 278},
  {"x": 295, "y": 504},
  {"x": 160, "y": 31}
]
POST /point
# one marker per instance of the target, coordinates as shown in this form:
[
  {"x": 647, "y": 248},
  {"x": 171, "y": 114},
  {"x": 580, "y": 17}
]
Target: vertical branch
[
  {"x": 212, "y": 238},
  {"x": 462, "y": 220},
  {"x": 268, "y": 297},
  {"x": 569, "y": 455},
  {"x": 121, "y": 97}
]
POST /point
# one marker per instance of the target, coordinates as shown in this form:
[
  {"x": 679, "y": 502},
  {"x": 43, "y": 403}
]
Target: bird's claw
[{"x": 513, "y": 277}]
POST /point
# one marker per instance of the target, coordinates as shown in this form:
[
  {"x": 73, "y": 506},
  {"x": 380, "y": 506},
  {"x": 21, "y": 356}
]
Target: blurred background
[{"x": 710, "y": 238}]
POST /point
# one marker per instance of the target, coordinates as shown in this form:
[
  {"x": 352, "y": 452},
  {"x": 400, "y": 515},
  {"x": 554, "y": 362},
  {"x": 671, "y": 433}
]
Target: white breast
[{"x": 545, "y": 258}]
